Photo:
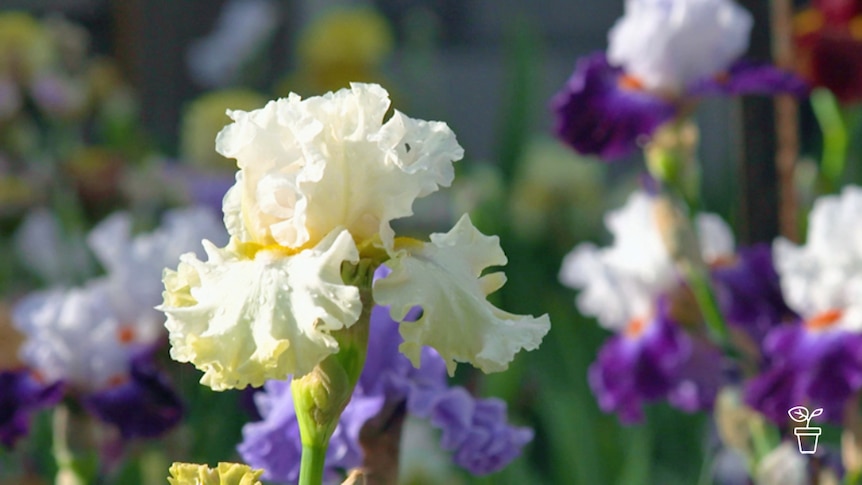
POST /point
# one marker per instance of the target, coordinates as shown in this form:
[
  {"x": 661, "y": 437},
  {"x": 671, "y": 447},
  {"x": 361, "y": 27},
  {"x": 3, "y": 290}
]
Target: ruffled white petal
[
  {"x": 73, "y": 334},
  {"x": 134, "y": 264},
  {"x": 668, "y": 44},
  {"x": 608, "y": 293},
  {"x": 624, "y": 280},
  {"x": 243, "y": 321},
  {"x": 445, "y": 278},
  {"x": 826, "y": 273},
  {"x": 309, "y": 166}
]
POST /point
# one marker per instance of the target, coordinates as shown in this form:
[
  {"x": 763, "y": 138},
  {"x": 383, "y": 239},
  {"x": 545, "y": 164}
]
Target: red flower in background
[{"x": 829, "y": 46}]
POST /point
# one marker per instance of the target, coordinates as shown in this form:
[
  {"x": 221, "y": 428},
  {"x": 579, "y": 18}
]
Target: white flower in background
[
  {"x": 87, "y": 334},
  {"x": 73, "y": 334},
  {"x": 667, "y": 44},
  {"x": 320, "y": 180},
  {"x": 46, "y": 249},
  {"x": 134, "y": 263},
  {"x": 621, "y": 283},
  {"x": 822, "y": 280},
  {"x": 242, "y": 27}
]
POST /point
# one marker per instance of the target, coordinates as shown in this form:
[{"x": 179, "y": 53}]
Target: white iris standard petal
[
  {"x": 825, "y": 274},
  {"x": 669, "y": 44},
  {"x": 243, "y": 320},
  {"x": 445, "y": 278},
  {"x": 310, "y": 165}
]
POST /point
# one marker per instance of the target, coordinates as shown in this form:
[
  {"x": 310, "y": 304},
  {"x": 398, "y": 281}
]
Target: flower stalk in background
[{"x": 319, "y": 181}]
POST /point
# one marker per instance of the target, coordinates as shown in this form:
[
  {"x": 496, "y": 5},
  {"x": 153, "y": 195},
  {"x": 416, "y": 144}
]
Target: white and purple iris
[
  {"x": 98, "y": 340},
  {"x": 817, "y": 360},
  {"x": 662, "y": 56},
  {"x": 474, "y": 430},
  {"x": 633, "y": 288}
]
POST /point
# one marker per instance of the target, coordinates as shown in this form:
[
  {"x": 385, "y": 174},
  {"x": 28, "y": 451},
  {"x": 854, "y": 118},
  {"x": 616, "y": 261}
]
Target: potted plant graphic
[{"x": 806, "y": 436}]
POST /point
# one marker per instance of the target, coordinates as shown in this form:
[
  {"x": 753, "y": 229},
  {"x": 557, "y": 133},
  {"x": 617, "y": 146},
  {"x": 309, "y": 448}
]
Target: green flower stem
[
  {"x": 672, "y": 160},
  {"x": 70, "y": 471},
  {"x": 835, "y": 138},
  {"x": 764, "y": 439},
  {"x": 321, "y": 395},
  {"x": 311, "y": 465},
  {"x": 698, "y": 281}
]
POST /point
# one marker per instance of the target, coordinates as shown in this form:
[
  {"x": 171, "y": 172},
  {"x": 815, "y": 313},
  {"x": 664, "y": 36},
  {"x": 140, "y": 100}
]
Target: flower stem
[
  {"x": 311, "y": 465},
  {"x": 320, "y": 396},
  {"x": 708, "y": 304},
  {"x": 835, "y": 138}
]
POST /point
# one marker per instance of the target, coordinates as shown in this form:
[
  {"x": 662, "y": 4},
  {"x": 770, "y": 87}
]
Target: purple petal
[
  {"x": 145, "y": 405},
  {"x": 595, "y": 116},
  {"x": 817, "y": 368},
  {"x": 749, "y": 292},
  {"x": 273, "y": 444},
  {"x": 21, "y": 394},
  {"x": 745, "y": 77},
  {"x": 661, "y": 361},
  {"x": 476, "y": 431}
]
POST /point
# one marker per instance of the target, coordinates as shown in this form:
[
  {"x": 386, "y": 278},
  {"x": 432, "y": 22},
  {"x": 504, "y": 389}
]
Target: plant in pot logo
[{"x": 806, "y": 436}]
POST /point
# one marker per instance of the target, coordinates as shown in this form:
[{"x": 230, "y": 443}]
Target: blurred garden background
[{"x": 110, "y": 106}]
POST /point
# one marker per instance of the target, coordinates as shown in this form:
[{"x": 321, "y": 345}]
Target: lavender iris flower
[{"x": 474, "y": 430}]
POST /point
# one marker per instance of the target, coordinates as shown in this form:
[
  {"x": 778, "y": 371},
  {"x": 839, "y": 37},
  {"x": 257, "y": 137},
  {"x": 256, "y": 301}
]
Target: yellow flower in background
[
  {"x": 205, "y": 117},
  {"x": 357, "y": 35},
  {"x": 26, "y": 47},
  {"x": 343, "y": 45},
  {"x": 224, "y": 474}
]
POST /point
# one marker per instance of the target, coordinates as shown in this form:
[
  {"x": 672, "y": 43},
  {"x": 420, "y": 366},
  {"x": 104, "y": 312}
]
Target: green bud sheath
[{"x": 321, "y": 395}]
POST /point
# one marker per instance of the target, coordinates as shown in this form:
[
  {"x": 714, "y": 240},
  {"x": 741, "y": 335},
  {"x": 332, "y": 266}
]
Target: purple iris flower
[
  {"x": 22, "y": 394},
  {"x": 807, "y": 366},
  {"x": 595, "y": 115},
  {"x": 749, "y": 292},
  {"x": 654, "y": 360},
  {"x": 603, "y": 111},
  {"x": 145, "y": 405},
  {"x": 474, "y": 430}
]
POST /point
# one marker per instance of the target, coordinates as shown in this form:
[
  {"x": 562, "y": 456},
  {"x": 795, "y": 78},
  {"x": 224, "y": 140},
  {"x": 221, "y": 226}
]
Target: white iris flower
[
  {"x": 822, "y": 280},
  {"x": 319, "y": 182},
  {"x": 621, "y": 283},
  {"x": 668, "y": 44}
]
